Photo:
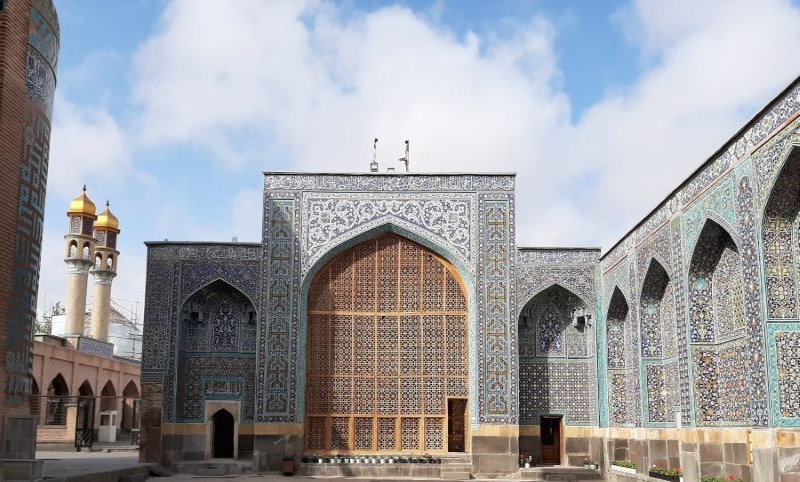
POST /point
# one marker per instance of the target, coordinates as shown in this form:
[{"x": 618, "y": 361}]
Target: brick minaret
[
  {"x": 80, "y": 246},
  {"x": 106, "y": 230}
]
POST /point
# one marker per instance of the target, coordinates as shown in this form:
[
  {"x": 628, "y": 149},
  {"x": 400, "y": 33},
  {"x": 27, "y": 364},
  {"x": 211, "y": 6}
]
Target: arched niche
[
  {"x": 716, "y": 301},
  {"x": 555, "y": 323},
  {"x": 780, "y": 235},
  {"x": 216, "y": 356},
  {"x": 616, "y": 329},
  {"x": 657, "y": 317},
  {"x": 218, "y": 318},
  {"x": 387, "y": 359}
]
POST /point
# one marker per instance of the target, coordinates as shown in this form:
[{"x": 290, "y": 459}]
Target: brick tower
[{"x": 29, "y": 43}]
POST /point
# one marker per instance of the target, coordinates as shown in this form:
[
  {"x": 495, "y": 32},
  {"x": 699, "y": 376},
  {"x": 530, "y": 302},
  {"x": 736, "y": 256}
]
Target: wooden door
[
  {"x": 551, "y": 439},
  {"x": 456, "y": 413}
]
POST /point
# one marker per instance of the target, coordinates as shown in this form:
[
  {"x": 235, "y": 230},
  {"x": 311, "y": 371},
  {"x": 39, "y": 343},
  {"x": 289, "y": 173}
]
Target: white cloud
[
  {"x": 87, "y": 146},
  {"x": 717, "y": 68},
  {"x": 319, "y": 86}
]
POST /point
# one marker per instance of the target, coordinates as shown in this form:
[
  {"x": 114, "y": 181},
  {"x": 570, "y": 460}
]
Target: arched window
[
  {"x": 34, "y": 400},
  {"x": 57, "y": 392},
  {"x": 98, "y": 261},
  {"x": 86, "y": 251},
  {"x": 85, "y": 390},
  {"x": 108, "y": 397},
  {"x": 387, "y": 351},
  {"x": 73, "y": 249},
  {"x": 110, "y": 262}
]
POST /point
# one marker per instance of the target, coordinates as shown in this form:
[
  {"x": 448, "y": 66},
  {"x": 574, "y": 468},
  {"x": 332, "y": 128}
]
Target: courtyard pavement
[
  {"x": 71, "y": 464},
  {"x": 77, "y": 464}
]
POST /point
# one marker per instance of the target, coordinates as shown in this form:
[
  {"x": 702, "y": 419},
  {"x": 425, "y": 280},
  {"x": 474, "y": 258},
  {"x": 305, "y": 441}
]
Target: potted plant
[
  {"x": 589, "y": 463},
  {"x": 729, "y": 478},
  {"x": 665, "y": 473},
  {"x": 521, "y": 460}
]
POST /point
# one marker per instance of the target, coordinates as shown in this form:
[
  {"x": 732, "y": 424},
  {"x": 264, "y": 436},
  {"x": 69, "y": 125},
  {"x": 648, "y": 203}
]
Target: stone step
[
  {"x": 570, "y": 474},
  {"x": 134, "y": 478},
  {"x": 214, "y": 468},
  {"x": 456, "y": 475}
]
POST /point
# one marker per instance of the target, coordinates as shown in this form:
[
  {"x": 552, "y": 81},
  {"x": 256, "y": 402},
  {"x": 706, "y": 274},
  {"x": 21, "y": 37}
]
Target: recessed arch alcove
[
  {"x": 387, "y": 338},
  {"x": 780, "y": 235}
]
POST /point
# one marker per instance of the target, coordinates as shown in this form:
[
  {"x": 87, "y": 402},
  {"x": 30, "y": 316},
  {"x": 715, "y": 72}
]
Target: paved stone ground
[
  {"x": 63, "y": 464},
  {"x": 66, "y": 464}
]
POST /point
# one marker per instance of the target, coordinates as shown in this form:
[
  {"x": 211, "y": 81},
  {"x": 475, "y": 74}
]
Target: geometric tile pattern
[
  {"x": 663, "y": 394},
  {"x": 445, "y": 219},
  {"x": 27, "y": 216},
  {"x": 566, "y": 387},
  {"x": 165, "y": 311},
  {"x": 720, "y": 373},
  {"x": 680, "y": 320},
  {"x": 715, "y": 260},
  {"x": 781, "y": 241},
  {"x": 497, "y": 398},
  {"x": 557, "y": 363},
  {"x": 546, "y": 326},
  {"x": 199, "y": 374},
  {"x": 787, "y": 351},
  {"x": 25, "y": 260},
  {"x": 756, "y": 351},
  {"x": 783, "y": 340},
  {"x": 617, "y": 321},
  {"x": 277, "y": 347},
  {"x": 655, "y": 327}
]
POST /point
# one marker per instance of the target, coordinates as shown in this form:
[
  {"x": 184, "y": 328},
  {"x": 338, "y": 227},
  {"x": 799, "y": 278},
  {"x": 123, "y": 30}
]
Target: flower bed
[
  {"x": 674, "y": 474},
  {"x": 370, "y": 459},
  {"x": 623, "y": 467}
]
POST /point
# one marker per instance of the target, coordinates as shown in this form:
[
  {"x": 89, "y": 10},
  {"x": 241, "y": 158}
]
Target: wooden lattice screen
[{"x": 387, "y": 346}]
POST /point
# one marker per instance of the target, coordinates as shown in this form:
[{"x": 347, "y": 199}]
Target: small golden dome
[
  {"x": 82, "y": 206},
  {"x": 106, "y": 220}
]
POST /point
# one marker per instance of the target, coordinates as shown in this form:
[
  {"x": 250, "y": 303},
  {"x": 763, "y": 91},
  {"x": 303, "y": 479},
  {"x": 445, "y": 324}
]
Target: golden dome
[
  {"x": 106, "y": 220},
  {"x": 82, "y": 206}
]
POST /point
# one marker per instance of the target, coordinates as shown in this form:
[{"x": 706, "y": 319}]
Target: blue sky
[{"x": 172, "y": 109}]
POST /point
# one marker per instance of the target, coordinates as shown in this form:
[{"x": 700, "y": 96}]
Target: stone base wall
[
  {"x": 150, "y": 422},
  {"x": 495, "y": 450},
  {"x": 762, "y": 455},
  {"x": 269, "y": 449}
]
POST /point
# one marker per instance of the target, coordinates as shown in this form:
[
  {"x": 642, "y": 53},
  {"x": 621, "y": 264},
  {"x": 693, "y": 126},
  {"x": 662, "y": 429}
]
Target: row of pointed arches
[
  {"x": 649, "y": 348},
  {"x": 50, "y": 405}
]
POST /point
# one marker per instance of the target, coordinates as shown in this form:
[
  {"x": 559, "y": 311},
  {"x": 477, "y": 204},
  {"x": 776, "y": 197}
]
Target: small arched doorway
[
  {"x": 223, "y": 429},
  {"x": 130, "y": 397},
  {"x": 57, "y": 391}
]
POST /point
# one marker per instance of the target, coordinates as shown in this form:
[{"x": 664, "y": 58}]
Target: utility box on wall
[{"x": 108, "y": 426}]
